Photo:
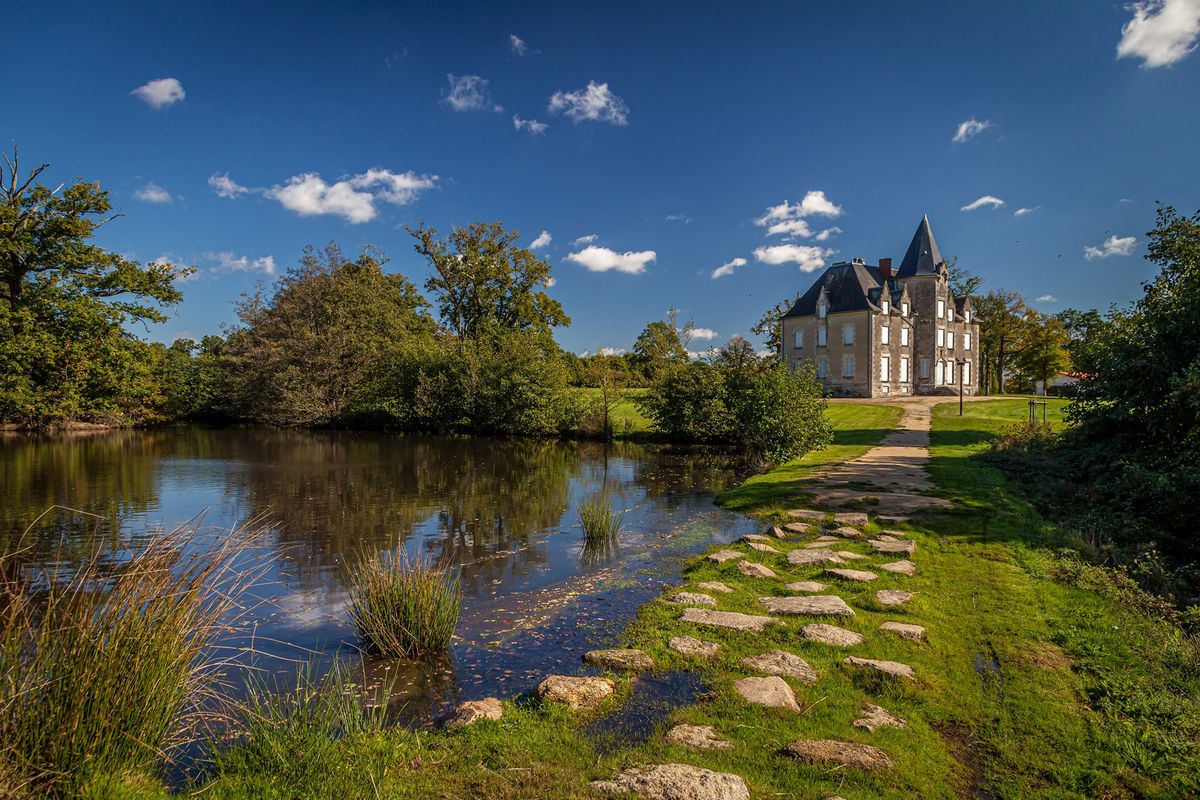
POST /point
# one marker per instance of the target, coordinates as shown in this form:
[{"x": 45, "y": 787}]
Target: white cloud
[
  {"x": 550, "y": 282},
  {"x": 602, "y": 259},
  {"x": 986, "y": 200},
  {"x": 705, "y": 334},
  {"x": 153, "y": 193},
  {"x": 611, "y": 351},
  {"x": 352, "y": 198},
  {"x": 469, "y": 93},
  {"x": 1126, "y": 200},
  {"x": 1020, "y": 212},
  {"x": 684, "y": 218},
  {"x": 517, "y": 44},
  {"x": 728, "y": 267},
  {"x": 531, "y": 125},
  {"x": 591, "y": 237},
  {"x": 970, "y": 129},
  {"x": 808, "y": 257},
  {"x": 696, "y": 355},
  {"x": 1047, "y": 298},
  {"x": 543, "y": 240},
  {"x": 182, "y": 272},
  {"x": 224, "y": 186},
  {"x": 1161, "y": 32},
  {"x": 826, "y": 233},
  {"x": 228, "y": 261},
  {"x": 596, "y": 103},
  {"x": 788, "y": 219},
  {"x": 1113, "y": 246},
  {"x": 160, "y": 93}
]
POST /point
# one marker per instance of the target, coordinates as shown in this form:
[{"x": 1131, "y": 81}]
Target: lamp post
[{"x": 960, "y": 362}]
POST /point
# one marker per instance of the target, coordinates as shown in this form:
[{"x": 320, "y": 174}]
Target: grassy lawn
[{"x": 626, "y": 419}]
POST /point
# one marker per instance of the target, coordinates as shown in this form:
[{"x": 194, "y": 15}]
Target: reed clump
[
  {"x": 601, "y": 522},
  {"x": 404, "y": 606}
]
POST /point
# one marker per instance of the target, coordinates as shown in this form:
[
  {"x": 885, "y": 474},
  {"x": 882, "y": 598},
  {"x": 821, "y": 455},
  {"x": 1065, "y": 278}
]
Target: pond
[{"x": 502, "y": 511}]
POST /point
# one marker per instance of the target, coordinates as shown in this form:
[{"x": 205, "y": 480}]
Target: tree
[
  {"x": 1001, "y": 315},
  {"x": 963, "y": 282},
  {"x": 770, "y": 324},
  {"x": 483, "y": 279},
  {"x": 1084, "y": 329},
  {"x": 658, "y": 346},
  {"x": 1043, "y": 349}
]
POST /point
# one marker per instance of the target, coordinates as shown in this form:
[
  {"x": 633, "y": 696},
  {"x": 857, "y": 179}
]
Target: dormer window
[
  {"x": 904, "y": 309},
  {"x": 941, "y": 312},
  {"x": 885, "y": 306},
  {"x": 966, "y": 316},
  {"x": 822, "y": 308}
]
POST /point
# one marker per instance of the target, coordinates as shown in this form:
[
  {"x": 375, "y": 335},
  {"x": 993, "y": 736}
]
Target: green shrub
[
  {"x": 601, "y": 522},
  {"x": 404, "y": 607}
]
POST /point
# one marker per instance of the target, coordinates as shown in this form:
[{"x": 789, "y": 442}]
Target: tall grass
[
  {"x": 601, "y": 522},
  {"x": 105, "y": 667},
  {"x": 404, "y": 607}
]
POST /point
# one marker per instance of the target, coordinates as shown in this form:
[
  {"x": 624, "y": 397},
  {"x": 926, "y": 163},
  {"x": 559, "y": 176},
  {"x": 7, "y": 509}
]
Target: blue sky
[{"x": 671, "y": 132}]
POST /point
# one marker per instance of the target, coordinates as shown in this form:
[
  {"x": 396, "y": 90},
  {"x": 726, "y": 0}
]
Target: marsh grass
[
  {"x": 106, "y": 667},
  {"x": 601, "y": 522},
  {"x": 403, "y": 606}
]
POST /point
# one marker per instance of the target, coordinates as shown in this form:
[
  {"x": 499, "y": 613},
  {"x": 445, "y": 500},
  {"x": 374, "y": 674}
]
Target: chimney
[{"x": 885, "y": 267}]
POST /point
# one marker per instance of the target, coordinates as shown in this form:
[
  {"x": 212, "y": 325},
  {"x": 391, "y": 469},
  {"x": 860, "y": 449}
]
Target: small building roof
[
  {"x": 849, "y": 286},
  {"x": 923, "y": 255}
]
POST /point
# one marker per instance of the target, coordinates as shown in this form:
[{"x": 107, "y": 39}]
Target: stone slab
[
  {"x": 783, "y": 664},
  {"x": 675, "y": 782},
  {"x": 859, "y": 575},
  {"x": 727, "y": 619},
  {"x": 840, "y": 754},
  {"x": 823, "y": 605},
  {"x": 691, "y": 646},
  {"x": 772, "y": 692},
  {"x": 831, "y": 635},
  {"x": 753, "y": 570},
  {"x": 891, "y": 669}
]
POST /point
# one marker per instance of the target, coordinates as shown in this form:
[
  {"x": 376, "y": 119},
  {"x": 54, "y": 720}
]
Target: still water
[{"x": 502, "y": 512}]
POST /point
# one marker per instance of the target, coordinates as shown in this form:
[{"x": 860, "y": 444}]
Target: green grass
[
  {"x": 601, "y": 522},
  {"x": 625, "y": 418},
  {"x": 403, "y": 607}
]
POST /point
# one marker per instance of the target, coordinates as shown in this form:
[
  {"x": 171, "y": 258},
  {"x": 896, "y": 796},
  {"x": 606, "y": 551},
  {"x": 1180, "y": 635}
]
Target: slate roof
[
  {"x": 850, "y": 286},
  {"x": 923, "y": 255}
]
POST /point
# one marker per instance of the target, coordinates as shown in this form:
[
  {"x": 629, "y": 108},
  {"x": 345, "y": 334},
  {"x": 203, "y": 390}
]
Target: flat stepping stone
[
  {"x": 762, "y": 547},
  {"x": 892, "y": 669},
  {"x": 831, "y": 635},
  {"x": 914, "y": 633},
  {"x": 691, "y": 646},
  {"x": 892, "y": 504},
  {"x": 892, "y": 597},
  {"x": 714, "y": 586},
  {"x": 854, "y": 518},
  {"x": 891, "y": 519},
  {"x": 797, "y": 527},
  {"x": 692, "y": 599},
  {"x": 753, "y": 570},
  {"x": 807, "y": 513},
  {"x": 805, "y": 586},
  {"x": 473, "y": 711},
  {"x": 840, "y": 754},
  {"x": 847, "y": 533},
  {"x": 783, "y": 664},
  {"x": 772, "y": 692},
  {"x": 822, "y": 605},
  {"x": 874, "y": 717},
  {"x": 850, "y": 556},
  {"x": 576, "y": 692},
  {"x": 721, "y": 556},
  {"x": 904, "y": 546},
  {"x": 727, "y": 619},
  {"x": 883, "y": 537},
  {"x": 777, "y": 532},
  {"x": 675, "y": 782},
  {"x": 620, "y": 659},
  {"x": 895, "y": 534},
  {"x": 902, "y": 567},
  {"x": 860, "y": 575},
  {"x": 818, "y": 556},
  {"x": 755, "y": 537},
  {"x": 826, "y": 539},
  {"x": 697, "y": 737}
]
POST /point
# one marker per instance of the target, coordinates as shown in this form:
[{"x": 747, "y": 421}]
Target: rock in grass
[
  {"x": 777, "y": 532},
  {"x": 891, "y": 669},
  {"x": 797, "y": 527},
  {"x": 721, "y": 556},
  {"x": 914, "y": 633},
  {"x": 892, "y": 597},
  {"x": 847, "y": 533},
  {"x": 473, "y": 711},
  {"x": 831, "y": 635},
  {"x": 753, "y": 570},
  {"x": 675, "y": 782},
  {"x": 895, "y": 534},
  {"x": 772, "y": 692},
  {"x": 873, "y": 717},
  {"x": 727, "y": 619},
  {"x": 804, "y": 557},
  {"x": 820, "y": 539},
  {"x": 783, "y": 664},
  {"x": 849, "y": 556},
  {"x": 841, "y": 754},
  {"x": 697, "y": 737},
  {"x": 891, "y": 519},
  {"x": 620, "y": 659},
  {"x": 691, "y": 646},
  {"x": 806, "y": 513},
  {"x": 805, "y": 586},
  {"x": 902, "y": 567},
  {"x": 714, "y": 586},
  {"x": 854, "y": 518},
  {"x": 577, "y": 691},
  {"x": 824, "y": 605},
  {"x": 692, "y": 599},
  {"x": 755, "y": 537},
  {"x": 859, "y": 575},
  {"x": 761, "y": 547},
  {"x": 904, "y": 546}
]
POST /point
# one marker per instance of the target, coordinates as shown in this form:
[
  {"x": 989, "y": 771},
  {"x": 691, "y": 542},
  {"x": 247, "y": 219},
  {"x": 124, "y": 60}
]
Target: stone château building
[{"x": 873, "y": 331}]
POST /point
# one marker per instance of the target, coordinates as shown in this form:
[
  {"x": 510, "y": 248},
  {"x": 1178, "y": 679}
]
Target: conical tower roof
[{"x": 923, "y": 255}]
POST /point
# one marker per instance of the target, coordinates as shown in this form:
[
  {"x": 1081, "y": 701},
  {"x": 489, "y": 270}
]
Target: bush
[
  {"x": 601, "y": 522},
  {"x": 403, "y": 607}
]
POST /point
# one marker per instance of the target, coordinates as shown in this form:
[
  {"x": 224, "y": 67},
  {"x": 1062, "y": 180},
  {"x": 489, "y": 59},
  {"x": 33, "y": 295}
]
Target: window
[
  {"x": 950, "y": 372},
  {"x": 950, "y": 339},
  {"x": 941, "y": 309},
  {"x": 941, "y": 337},
  {"x": 821, "y": 309},
  {"x": 904, "y": 369},
  {"x": 847, "y": 334},
  {"x": 904, "y": 336},
  {"x": 950, "y": 310},
  {"x": 795, "y": 364},
  {"x": 966, "y": 316},
  {"x": 966, "y": 373},
  {"x": 847, "y": 366},
  {"x": 904, "y": 309},
  {"x": 966, "y": 340},
  {"x": 923, "y": 365},
  {"x": 885, "y": 306},
  {"x": 822, "y": 367},
  {"x": 821, "y": 331},
  {"x": 885, "y": 369},
  {"x": 799, "y": 338},
  {"x": 885, "y": 333},
  {"x": 941, "y": 373}
]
